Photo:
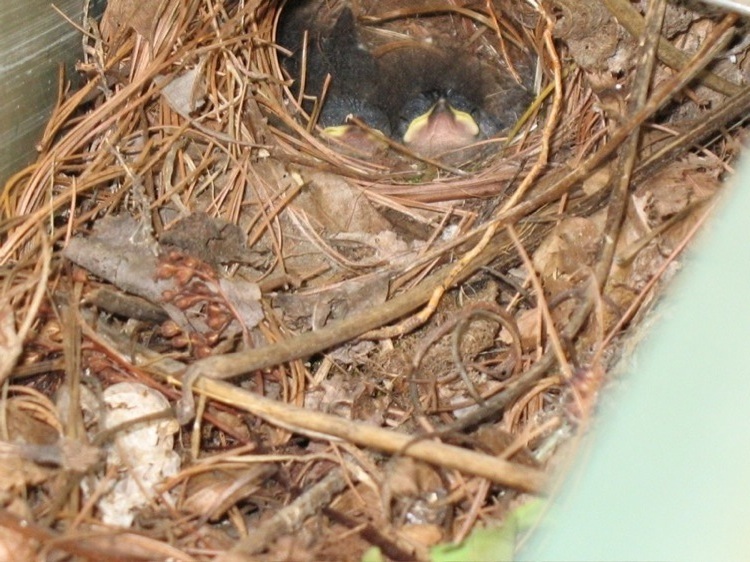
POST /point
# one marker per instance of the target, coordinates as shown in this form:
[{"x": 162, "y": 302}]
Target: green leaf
[
  {"x": 373, "y": 554},
  {"x": 493, "y": 544}
]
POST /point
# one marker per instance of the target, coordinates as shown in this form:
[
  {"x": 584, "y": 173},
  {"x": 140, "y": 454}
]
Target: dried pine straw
[{"x": 399, "y": 373}]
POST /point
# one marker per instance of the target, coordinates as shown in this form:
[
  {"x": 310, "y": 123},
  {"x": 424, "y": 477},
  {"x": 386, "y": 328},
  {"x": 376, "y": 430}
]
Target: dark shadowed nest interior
[{"x": 227, "y": 334}]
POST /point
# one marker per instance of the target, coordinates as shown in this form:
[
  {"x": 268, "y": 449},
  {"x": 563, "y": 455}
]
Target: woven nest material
[{"x": 186, "y": 223}]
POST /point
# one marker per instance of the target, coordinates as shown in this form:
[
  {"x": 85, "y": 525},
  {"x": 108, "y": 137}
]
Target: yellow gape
[{"x": 440, "y": 129}]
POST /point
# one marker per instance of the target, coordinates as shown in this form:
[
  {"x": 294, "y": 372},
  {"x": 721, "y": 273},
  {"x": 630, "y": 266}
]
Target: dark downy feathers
[{"x": 446, "y": 94}]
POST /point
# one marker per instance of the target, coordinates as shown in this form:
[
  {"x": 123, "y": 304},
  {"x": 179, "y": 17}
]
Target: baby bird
[
  {"x": 434, "y": 100},
  {"x": 440, "y": 129},
  {"x": 334, "y": 51},
  {"x": 443, "y": 99}
]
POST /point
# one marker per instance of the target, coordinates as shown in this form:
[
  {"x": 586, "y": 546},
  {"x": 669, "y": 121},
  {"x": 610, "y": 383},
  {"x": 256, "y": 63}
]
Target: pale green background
[{"x": 666, "y": 475}]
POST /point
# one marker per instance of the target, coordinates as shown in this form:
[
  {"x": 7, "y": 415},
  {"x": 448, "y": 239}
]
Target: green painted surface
[
  {"x": 666, "y": 475},
  {"x": 34, "y": 40}
]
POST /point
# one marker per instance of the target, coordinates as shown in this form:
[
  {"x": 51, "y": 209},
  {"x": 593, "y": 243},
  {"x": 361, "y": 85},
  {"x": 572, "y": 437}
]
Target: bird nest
[{"x": 231, "y": 334}]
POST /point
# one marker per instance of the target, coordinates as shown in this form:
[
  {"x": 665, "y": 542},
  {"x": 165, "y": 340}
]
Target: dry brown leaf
[
  {"x": 595, "y": 40},
  {"x": 211, "y": 494},
  {"x": 413, "y": 492},
  {"x": 210, "y": 239},
  {"x": 141, "y": 16},
  {"x": 335, "y": 301},
  {"x": 186, "y": 92},
  {"x": 336, "y": 206},
  {"x": 571, "y": 246}
]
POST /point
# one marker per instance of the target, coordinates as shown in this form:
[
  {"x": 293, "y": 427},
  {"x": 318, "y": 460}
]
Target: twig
[
  {"x": 318, "y": 424},
  {"x": 458, "y": 323},
  {"x": 290, "y": 518},
  {"x": 619, "y": 198},
  {"x": 455, "y": 272},
  {"x": 636, "y": 304},
  {"x": 732, "y": 110},
  {"x": 498, "y": 402},
  {"x": 633, "y": 22},
  {"x": 552, "y": 333},
  {"x": 550, "y": 125},
  {"x": 488, "y": 311}
]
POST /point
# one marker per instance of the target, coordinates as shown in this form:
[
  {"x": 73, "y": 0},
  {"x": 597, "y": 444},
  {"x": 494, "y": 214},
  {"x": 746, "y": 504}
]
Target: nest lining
[{"x": 402, "y": 169}]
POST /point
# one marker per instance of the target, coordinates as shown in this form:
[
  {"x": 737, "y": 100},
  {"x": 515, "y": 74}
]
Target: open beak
[
  {"x": 441, "y": 129},
  {"x": 355, "y": 140}
]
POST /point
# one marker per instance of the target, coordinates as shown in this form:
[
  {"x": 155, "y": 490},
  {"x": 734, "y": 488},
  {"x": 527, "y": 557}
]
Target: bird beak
[
  {"x": 440, "y": 129},
  {"x": 355, "y": 140}
]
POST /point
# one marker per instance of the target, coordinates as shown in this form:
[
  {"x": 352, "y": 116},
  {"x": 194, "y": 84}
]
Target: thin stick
[
  {"x": 619, "y": 199},
  {"x": 542, "y": 302},
  {"x": 628, "y": 17},
  {"x": 326, "y": 426}
]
